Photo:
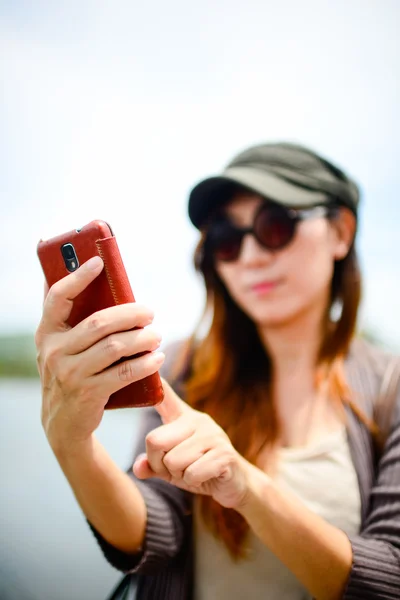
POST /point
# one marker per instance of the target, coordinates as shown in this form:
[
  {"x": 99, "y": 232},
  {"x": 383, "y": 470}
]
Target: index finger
[
  {"x": 59, "y": 300},
  {"x": 172, "y": 407}
]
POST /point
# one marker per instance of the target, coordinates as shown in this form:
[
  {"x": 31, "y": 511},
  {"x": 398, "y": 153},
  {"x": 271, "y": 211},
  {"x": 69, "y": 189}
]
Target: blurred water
[{"x": 47, "y": 551}]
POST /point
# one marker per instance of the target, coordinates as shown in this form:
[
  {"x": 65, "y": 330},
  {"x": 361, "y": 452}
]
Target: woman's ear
[{"x": 344, "y": 225}]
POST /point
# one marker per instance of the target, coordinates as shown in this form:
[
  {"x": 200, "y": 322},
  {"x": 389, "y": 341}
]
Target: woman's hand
[
  {"x": 192, "y": 452},
  {"x": 73, "y": 363}
]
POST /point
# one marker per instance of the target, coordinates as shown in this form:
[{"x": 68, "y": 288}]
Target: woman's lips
[{"x": 264, "y": 287}]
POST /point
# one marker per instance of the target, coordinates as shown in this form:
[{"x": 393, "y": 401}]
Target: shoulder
[
  {"x": 367, "y": 364},
  {"x": 374, "y": 375},
  {"x": 364, "y": 354}
]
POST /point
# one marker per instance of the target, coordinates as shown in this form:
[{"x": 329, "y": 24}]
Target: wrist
[
  {"x": 257, "y": 489},
  {"x": 71, "y": 450}
]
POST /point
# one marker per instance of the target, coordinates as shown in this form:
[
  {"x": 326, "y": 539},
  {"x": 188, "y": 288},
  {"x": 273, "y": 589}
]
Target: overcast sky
[{"x": 113, "y": 110}]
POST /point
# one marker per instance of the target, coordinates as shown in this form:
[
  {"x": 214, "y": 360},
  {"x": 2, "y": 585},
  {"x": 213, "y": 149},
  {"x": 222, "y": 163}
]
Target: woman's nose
[{"x": 252, "y": 252}]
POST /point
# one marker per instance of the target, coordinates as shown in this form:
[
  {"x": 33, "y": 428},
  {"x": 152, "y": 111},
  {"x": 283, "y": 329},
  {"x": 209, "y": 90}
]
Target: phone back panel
[
  {"x": 98, "y": 294},
  {"x": 110, "y": 288}
]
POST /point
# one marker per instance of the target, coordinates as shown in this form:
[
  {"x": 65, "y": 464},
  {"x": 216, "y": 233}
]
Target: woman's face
[{"x": 275, "y": 287}]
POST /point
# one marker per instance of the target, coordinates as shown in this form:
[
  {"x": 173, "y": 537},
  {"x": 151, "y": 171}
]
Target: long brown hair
[{"x": 230, "y": 364}]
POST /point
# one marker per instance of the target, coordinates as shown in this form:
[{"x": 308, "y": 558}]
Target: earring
[{"x": 336, "y": 310}]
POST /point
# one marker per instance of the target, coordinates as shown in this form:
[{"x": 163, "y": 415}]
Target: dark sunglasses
[{"x": 273, "y": 227}]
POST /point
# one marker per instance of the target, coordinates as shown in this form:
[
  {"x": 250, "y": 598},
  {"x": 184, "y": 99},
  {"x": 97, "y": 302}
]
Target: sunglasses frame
[{"x": 296, "y": 215}]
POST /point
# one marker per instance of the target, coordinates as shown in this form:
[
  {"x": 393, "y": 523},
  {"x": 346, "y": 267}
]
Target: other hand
[{"x": 194, "y": 453}]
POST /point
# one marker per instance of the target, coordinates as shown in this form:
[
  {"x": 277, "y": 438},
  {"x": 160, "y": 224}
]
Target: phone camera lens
[
  {"x": 69, "y": 251},
  {"x": 70, "y": 257}
]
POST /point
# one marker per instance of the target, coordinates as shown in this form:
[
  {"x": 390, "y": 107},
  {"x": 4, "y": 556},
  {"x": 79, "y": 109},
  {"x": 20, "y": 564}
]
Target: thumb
[
  {"x": 59, "y": 299},
  {"x": 172, "y": 407}
]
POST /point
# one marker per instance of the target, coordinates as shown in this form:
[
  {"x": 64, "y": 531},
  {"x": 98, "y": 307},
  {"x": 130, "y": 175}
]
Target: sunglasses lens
[
  {"x": 225, "y": 242},
  {"x": 274, "y": 227}
]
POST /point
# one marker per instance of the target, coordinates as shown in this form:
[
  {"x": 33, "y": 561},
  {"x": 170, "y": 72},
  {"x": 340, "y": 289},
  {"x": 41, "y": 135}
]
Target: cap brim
[{"x": 213, "y": 192}]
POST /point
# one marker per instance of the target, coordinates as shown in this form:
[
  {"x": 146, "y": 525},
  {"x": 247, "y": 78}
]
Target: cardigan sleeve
[
  {"x": 168, "y": 519},
  {"x": 375, "y": 572}
]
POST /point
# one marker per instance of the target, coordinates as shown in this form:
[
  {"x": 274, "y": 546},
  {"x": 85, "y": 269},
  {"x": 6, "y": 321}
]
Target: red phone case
[{"x": 111, "y": 287}]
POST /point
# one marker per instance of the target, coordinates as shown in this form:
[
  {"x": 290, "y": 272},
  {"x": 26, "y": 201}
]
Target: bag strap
[{"x": 386, "y": 401}]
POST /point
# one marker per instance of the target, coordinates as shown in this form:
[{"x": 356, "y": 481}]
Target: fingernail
[
  {"x": 159, "y": 357},
  {"x": 151, "y": 318},
  {"x": 93, "y": 263},
  {"x": 156, "y": 346}
]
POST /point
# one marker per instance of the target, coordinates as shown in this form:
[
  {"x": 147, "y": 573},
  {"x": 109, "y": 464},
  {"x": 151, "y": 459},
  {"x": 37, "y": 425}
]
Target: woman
[{"x": 271, "y": 479}]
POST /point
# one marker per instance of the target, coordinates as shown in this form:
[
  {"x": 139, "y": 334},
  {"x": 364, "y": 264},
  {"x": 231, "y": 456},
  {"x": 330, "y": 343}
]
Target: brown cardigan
[{"x": 165, "y": 567}]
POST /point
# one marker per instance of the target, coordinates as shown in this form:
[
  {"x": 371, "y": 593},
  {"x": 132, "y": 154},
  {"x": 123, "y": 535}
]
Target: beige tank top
[{"x": 324, "y": 478}]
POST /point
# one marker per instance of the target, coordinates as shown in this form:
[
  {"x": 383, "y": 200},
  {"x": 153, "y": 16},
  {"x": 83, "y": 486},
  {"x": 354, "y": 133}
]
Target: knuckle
[
  {"x": 207, "y": 422},
  {"x": 65, "y": 374},
  {"x": 190, "y": 477},
  {"x": 175, "y": 475},
  {"x": 38, "y": 338},
  {"x": 126, "y": 371},
  {"x": 40, "y": 355},
  {"x": 152, "y": 439},
  {"x": 52, "y": 358},
  {"x": 39, "y": 362},
  {"x": 170, "y": 463},
  {"x": 96, "y": 322},
  {"x": 113, "y": 347},
  {"x": 55, "y": 293}
]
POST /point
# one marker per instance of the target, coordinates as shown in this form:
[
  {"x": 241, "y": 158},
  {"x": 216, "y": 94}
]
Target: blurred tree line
[
  {"x": 18, "y": 356},
  {"x": 18, "y": 353}
]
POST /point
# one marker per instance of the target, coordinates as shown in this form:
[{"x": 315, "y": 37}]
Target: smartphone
[{"x": 62, "y": 255}]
